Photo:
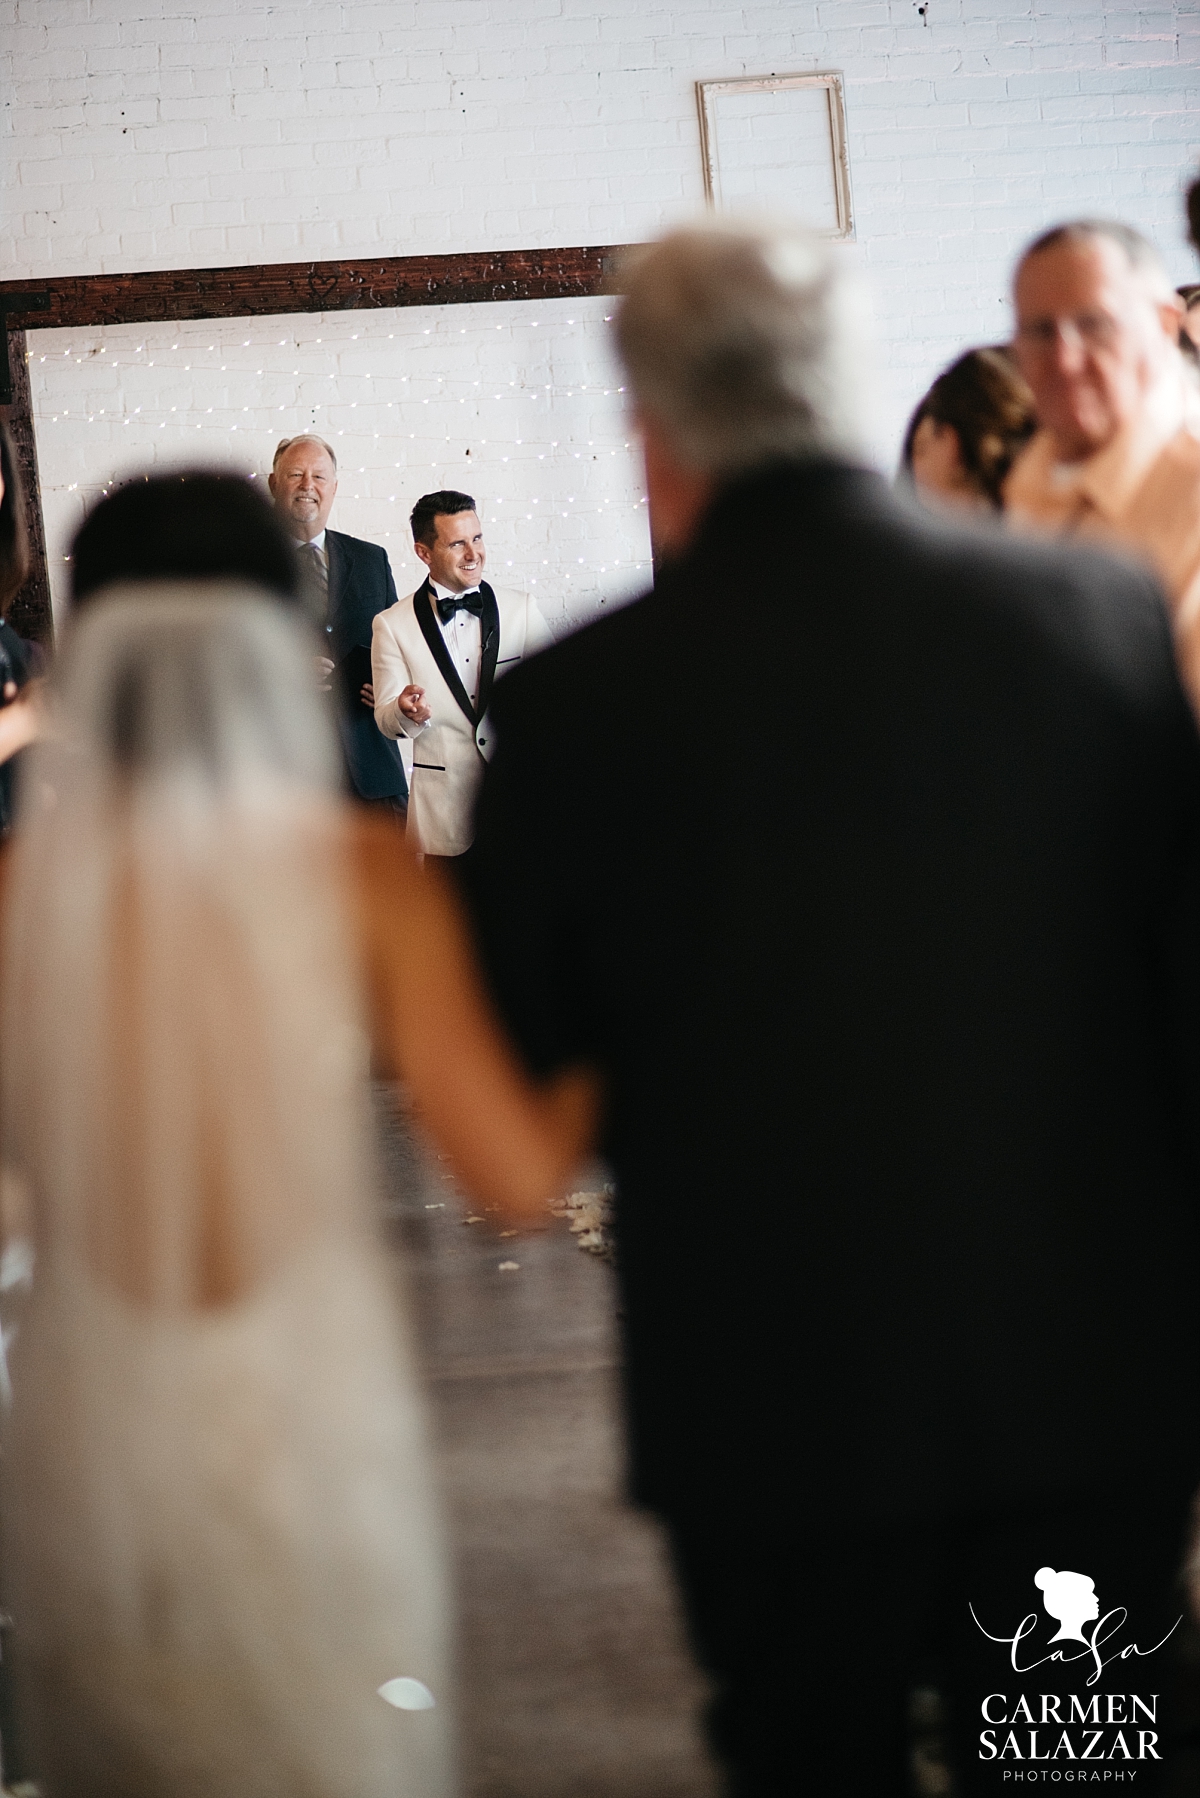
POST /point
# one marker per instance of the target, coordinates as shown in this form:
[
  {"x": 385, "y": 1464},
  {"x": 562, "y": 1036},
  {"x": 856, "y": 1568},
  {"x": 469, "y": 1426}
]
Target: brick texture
[
  {"x": 173, "y": 135},
  {"x": 520, "y": 404}
]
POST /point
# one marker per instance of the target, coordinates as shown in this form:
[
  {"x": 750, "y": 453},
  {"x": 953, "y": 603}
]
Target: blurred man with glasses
[{"x": 1117, "y": 457}]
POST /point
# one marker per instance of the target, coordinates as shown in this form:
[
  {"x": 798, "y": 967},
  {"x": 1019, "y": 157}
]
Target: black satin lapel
[
  {"x": 423, "y": 607},
  {"x": 489, "y": 627}
]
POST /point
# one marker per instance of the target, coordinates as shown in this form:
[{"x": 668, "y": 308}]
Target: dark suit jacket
[
  {"x": 361, "y": 584},
  {"x": 892, "y": 978},
  {"x": 20, "y": 661}
]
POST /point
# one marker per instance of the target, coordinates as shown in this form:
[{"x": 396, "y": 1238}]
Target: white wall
[
  {"x": 520, "y": 404},
  {"x": 150, "y": 133}
]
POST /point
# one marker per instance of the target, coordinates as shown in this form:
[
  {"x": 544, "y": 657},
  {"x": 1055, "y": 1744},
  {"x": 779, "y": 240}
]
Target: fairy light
[{"x": 484, "y": 405}]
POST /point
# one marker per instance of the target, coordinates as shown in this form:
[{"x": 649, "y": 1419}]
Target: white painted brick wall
[
  {"x": 167, "y": 133},
  {"x": 518, "y": 404}
]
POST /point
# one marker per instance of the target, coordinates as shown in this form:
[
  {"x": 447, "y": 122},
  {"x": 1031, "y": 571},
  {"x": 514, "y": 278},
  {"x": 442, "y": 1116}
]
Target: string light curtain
[{"x": 519, "y": 403}]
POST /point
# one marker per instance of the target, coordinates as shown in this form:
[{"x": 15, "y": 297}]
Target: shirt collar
[
  {"x": 440, "y": 592},
  {"x": 318, "y": 542},
  {"x": 1109, "y": 479}
]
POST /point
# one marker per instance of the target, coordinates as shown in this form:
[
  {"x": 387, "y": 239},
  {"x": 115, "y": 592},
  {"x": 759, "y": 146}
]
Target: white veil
[{"x": 221, "y": 1536}]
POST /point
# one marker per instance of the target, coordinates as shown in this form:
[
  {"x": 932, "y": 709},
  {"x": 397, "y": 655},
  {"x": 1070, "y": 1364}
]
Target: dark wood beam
[
  {"x": 29, "y": 613},
  {"x": 17, "y": 302},
  {"x": 258, "y": 291}
]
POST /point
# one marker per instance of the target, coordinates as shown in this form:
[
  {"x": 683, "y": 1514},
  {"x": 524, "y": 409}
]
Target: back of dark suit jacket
[{"x": 861, "y": 857}]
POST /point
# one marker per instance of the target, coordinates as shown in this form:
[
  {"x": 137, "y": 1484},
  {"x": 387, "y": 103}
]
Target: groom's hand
[{"x": 412, "y": 704}]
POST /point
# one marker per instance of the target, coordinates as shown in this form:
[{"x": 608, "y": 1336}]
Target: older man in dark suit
[
  {"x": 898, "y": 1014},
  {"x": 346, "y": 582}
]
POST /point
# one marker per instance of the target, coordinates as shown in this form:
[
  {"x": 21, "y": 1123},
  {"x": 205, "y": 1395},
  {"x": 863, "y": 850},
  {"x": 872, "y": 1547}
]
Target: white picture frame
[{"x": 778, "y": 142}]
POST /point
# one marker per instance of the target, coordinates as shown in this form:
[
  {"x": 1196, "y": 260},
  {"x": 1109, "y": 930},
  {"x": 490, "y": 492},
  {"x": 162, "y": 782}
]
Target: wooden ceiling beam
[
  {"x": 260, "y": 291},
  {"x": 267, "y": 289}
]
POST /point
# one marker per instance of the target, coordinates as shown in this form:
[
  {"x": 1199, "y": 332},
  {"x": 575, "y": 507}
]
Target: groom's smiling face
[{"x": 456, "y": 557}]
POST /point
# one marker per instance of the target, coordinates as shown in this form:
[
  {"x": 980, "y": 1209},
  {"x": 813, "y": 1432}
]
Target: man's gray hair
[
  {"x": 1138, "y": 251},
  {"x": 285, "y": 443},
  {"x": 746, "y": 342}
]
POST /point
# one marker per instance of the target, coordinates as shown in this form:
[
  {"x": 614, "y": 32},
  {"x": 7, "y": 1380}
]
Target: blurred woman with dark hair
[
  {"x": 197, "y": 525},
  {"x": 224, "y": 1549},
  {"x": 965, "y": 434}
]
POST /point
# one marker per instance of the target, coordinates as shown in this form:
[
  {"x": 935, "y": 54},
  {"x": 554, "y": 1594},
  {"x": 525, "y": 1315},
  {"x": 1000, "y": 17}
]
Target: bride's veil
[{"x": 221, "y": 1538}]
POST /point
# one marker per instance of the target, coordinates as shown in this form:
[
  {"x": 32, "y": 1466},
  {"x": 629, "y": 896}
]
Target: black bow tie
[{"x": 460, "y": 602}]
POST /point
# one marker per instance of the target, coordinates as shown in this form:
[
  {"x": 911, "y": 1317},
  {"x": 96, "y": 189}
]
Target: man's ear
[
  {"x": 271, "y": 483},
  {"x": 1171, "y": 314},
  {"x": 678, "y": 494},
  {"x": 421, "y": 551}
]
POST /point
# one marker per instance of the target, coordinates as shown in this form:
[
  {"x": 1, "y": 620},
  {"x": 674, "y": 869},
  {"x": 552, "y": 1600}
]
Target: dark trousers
[{"x": 849, "y": 1663}]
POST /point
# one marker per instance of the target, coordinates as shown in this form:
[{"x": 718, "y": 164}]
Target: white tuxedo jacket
[{"x": 408, "y": 650}]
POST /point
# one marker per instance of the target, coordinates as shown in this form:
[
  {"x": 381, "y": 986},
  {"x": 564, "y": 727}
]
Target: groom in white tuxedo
[{"x": 435, "y": 656}]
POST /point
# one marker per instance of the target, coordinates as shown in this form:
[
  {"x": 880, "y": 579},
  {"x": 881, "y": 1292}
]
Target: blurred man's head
[
  {"x": 193, "y": 525},
  {"x": 745, "y": 344},
  {"x": 448, "y": 538},
  {"x": 1097, "y": 324},
  {"x": 303, "y": 483}
]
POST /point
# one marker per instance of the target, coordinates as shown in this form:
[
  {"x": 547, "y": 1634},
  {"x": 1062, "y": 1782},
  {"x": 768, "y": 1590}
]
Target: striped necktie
[{"x": 315, "y": 584}]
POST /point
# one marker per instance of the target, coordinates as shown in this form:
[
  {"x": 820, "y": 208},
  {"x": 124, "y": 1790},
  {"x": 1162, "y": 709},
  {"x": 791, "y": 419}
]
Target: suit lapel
[
  {"x": 427, "y": 619},
  {"x": 339, "y": 556},
  {"x": 489, "y": 629}
]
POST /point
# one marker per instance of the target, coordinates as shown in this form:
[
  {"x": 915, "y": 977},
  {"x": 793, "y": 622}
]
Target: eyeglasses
[{"x": 1090, "y": 331}]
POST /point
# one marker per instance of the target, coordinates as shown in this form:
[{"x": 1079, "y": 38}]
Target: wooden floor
[{"x": 576, "y": 1681}]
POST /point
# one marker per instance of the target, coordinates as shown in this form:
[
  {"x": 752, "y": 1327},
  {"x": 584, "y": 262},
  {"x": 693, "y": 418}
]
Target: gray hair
[
  {"x": 285, "y": 443},
  {"x": 1138, "y": 251},
  {"x": 746, "y": 342}
]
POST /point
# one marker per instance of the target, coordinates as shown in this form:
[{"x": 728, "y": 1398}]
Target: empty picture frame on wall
[{"x": 777, "y": 143}]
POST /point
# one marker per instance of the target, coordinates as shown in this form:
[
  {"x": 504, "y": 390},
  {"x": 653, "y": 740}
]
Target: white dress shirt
[{"x": 463, "y": 637}]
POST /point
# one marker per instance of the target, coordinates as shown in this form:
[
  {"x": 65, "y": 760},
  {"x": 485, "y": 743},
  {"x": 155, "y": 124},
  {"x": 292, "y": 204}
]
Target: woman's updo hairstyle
[
  {"x": 194, "y": 525},
  {"x": 984, "y": 398}
]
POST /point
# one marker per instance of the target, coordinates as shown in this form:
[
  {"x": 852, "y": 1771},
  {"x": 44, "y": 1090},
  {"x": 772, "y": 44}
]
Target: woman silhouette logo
[{"x": 1070, "y": 1598}]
